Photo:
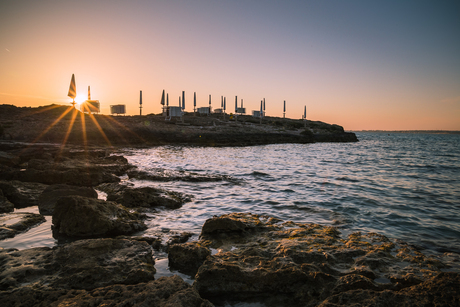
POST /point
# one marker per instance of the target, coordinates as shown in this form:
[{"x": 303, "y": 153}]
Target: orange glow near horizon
[{"x": 346, "y": 62}]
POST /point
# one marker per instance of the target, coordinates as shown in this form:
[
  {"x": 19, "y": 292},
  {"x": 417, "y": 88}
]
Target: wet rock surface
[
  {"x": 263, "y": 259},
  {"x": 77, "y": 216}
]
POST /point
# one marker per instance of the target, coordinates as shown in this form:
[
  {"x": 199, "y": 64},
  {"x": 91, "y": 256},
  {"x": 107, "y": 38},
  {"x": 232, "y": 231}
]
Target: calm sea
[{"x": 402, "y": 185}]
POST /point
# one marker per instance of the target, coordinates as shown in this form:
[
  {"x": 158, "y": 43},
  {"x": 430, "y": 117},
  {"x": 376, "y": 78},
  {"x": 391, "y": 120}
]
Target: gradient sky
[{"x": 389, "y": 65}]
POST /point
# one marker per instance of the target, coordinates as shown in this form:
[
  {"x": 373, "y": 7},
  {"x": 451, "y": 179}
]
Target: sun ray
[
  {"x": 123, "y": 127},
  {"x": 99, "y": 128},
  {"x": 52, "y": 124},
  {"x": 72, "y": 120}
]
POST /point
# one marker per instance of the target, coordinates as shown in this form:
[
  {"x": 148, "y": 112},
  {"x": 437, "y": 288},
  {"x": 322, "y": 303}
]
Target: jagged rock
[
  {"x": 12, "y": 224},
  {"x": 146, "y": 197},
  {"x": 258, "y": 258},
  {"x": 84, "y": 264},
  {"x": 76, "y": 216},
  {"x": 49, "y": 197},
  {"x": 188, "y": 257}
]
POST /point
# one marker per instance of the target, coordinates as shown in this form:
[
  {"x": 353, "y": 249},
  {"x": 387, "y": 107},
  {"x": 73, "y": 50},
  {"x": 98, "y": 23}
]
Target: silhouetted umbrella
[{"x": 72, "y": 90}]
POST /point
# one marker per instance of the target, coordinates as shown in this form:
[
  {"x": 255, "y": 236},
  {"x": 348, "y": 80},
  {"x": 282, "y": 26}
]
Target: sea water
[{"x": 402, "y": 185}]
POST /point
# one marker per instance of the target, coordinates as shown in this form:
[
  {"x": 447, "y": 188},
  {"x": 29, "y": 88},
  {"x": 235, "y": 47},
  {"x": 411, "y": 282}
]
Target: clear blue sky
[{"x": 360, "y": 64}]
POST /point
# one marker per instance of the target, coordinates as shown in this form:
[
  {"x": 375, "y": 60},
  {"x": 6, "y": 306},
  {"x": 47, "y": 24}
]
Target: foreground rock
[
  {"x": 92, "y": 272},
  {"x": 76, "y": 216},
  {"x": 49, "y": 197},
  {"x": 258, "y": 258},
  {"x": 85, "y": 264},
  {"x": 164, "y": 292},
  {"x": 12, "y": 224}
]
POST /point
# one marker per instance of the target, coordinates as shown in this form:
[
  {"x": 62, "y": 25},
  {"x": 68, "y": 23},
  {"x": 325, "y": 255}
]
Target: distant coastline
[{"x": 410, "y": 131}]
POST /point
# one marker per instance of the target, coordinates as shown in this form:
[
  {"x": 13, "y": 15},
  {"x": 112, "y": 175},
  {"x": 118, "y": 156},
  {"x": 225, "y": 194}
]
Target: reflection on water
[{"x": 400, "y": 185}]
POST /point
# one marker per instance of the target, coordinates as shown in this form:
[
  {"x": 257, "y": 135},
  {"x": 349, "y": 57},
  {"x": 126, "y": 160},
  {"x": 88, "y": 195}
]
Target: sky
[{"x": 364, "y": 65}]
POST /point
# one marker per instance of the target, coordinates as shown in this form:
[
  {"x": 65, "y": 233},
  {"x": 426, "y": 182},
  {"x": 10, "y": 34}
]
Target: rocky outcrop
[
  {"x": 90, "y": 272},
  {"x": 12, "y": 224},
  {"x": 76, "y": 216},
  {"x": 49, "y": 197},
  {"x": 164, "y": 292},
  {"x": 144, "y": 197},
  {"x": 260, "y": 258},
  {"x": 60, "y": 124},
  {"x": 53, "y": 166},
  {"x": 84, "y": 264}
]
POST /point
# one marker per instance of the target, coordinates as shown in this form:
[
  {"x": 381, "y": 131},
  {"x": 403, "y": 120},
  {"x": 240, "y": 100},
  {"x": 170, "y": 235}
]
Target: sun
[{"x": 80, "y": 99}]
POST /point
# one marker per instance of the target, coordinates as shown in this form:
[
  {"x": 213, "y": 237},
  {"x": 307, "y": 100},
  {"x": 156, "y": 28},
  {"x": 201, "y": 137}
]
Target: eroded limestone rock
[
  {"x": 164, "y": 292},
  {"x": 84, "y": 264},
  {"x": 296, "y": 264},
  {"x": 76, "y": 216}
]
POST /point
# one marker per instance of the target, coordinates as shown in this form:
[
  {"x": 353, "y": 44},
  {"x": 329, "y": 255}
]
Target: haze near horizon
[{"x": 391, "y": 65}]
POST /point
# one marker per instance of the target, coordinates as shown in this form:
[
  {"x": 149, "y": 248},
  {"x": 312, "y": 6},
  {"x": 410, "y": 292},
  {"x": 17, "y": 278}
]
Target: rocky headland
[
  {"x": 62, "y": 124},
  {"x": 102, "y": 258}
]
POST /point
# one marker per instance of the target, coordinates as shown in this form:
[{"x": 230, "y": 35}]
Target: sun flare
[{"x": 80, "y": 99}]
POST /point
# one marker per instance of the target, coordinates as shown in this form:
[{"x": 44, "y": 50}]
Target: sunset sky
[{"x": 365, "y": 65}]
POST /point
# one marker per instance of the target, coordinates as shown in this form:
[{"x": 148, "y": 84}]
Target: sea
[{"x": 405, "y": 186}]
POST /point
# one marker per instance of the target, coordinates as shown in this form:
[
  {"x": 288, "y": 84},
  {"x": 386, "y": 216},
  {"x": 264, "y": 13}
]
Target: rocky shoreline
[
  {"x": 101, "y": 258},
  {"x": 62, "y": 124}
]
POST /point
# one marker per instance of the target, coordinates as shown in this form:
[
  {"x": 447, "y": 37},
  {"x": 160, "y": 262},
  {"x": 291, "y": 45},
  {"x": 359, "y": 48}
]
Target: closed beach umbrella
[
  {"x": 284, "y": 108},
  {"x": 183, "y": 100},
  {"x": 72, "y": 88},
  {"x": 163, "y": 98},
  {"x": 194, "y": 99},
  {"x": 305, "y": 112},
  {"x": 236, "y": 104},
  {"x": 167, "y": 99}
]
